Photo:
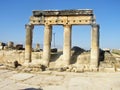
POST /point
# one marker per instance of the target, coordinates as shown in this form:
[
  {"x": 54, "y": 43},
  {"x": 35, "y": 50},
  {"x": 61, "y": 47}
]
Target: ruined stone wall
[{"x": 9, "y": 56}]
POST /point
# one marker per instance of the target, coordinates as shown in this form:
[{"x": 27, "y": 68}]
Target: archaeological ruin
[
  {"x": 67, "y": 18},
  {"x": 70, "y": 59}
]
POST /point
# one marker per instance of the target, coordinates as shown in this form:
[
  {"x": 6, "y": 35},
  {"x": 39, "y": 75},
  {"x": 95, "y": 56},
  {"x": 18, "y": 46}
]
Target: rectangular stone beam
[
  {"x": 62, "y": 20},
  {"x": 38, "y": 13}
]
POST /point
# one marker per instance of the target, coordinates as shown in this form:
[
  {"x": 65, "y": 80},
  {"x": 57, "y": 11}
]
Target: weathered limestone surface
[
  {"x": 67, "y": 45},
  {"x": 47, "y": 44},
  {"x": 95, "y": 46},
  {"x": 9, "y": 56}
]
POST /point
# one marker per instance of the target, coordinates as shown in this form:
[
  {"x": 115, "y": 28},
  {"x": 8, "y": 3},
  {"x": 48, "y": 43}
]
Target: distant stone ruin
[{"x": 10, "y": 46}]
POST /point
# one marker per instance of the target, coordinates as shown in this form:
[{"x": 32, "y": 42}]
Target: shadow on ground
[{"x": 32, "y": 89}]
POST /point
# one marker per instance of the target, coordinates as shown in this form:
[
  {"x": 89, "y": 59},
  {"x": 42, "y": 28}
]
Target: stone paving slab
[
  {"x": 45, "y": 80},
  {"x": 19, "y": 86},
  {"x": 5, "y": 83},
  {"x": 6, "y": 74},
  {"x": 11, "y": 80},
  {"x": 4, "y": 71},
  {"x": 21, "y": 76},
  {"x": 93, "y": 83}
]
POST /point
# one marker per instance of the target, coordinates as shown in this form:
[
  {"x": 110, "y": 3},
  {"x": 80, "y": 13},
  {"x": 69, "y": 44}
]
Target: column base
[
  {"x": 45, "y": 63},
  {"x": 93, "y": 68},
  {"x": 26, "y": 63}
]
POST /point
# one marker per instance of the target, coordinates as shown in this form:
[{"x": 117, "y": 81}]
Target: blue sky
[{"x": 14, "y": 14}]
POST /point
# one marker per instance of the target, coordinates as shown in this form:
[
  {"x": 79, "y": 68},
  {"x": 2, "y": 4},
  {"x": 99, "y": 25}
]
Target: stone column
[
  {"x": 28, "y": 45},
  {"x": 47, "y": 44},
  {"x": 37, "y": 48},
  {"x": 67, "y": 44},
  {"x": 94, "y": 46}
]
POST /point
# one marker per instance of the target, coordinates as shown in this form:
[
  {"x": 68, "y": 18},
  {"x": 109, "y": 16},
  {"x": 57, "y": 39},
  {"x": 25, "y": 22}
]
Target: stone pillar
[
  {"x": 67, "y": 44},
  {"x": 94, "y": 46},
  {"x": 37, "y": 48},
  {"x": 47, "y": 44},
  {"x": 28, "y": 45},
  {"x": 11, "y": 44}
]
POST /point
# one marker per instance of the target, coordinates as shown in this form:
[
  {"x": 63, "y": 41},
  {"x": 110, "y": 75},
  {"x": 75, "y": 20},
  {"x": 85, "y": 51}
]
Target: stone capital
[
  {"x": 67, "y": 25},
  {"x": 95, "y": 26},
  {"x": 48, "y": 25},
  {"x": 28, "y": 26}
]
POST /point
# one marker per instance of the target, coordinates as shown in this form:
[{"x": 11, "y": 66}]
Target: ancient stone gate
[{"x": 67, "y": 18}]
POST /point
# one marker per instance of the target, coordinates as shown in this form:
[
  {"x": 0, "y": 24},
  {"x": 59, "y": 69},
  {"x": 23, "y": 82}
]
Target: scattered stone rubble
[{"x": 107, "y": 63}]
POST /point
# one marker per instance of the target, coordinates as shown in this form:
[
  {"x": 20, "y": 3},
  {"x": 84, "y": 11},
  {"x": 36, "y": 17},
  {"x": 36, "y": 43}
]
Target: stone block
[
  {"x": 93, "y": 68},
  {"x": 80, "y": 70},
  {"x": 118, "y": 69},
  {"x": 109, "y": 69},
  {"x": 21, "y": 76},
  {"x": 101, "y": 69},
  {"x": 74, "y": 70},
  {"x": 1, "y": 47}
]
